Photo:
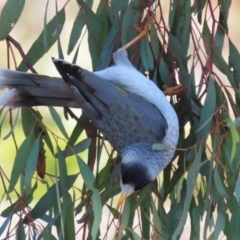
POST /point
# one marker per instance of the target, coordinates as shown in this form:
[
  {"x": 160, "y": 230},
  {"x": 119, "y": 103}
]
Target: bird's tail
[{"x": 26, "y": 90}]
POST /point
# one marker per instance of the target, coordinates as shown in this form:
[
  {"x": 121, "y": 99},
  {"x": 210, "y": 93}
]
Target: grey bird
[{"x": 129, "y": 109}]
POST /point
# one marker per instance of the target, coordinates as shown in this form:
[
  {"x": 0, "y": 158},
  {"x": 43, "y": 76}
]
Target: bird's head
[
  {"x": 134, "y": 176},
  {"x": 139, "y": 168}
]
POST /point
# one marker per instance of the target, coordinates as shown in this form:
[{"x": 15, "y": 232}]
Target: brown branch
[{"x": 23, "y": 55}]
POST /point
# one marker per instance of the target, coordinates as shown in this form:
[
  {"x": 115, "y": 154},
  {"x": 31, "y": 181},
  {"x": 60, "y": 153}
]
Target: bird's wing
[{"x": 124, "y": 118}]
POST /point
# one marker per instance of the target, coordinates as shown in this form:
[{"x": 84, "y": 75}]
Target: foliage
[{"x": 203, "y": 181}]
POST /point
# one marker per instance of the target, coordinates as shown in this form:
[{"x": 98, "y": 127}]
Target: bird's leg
[
  {"x": 177, "y": 90},
  {"x": 143, "y": 32}
]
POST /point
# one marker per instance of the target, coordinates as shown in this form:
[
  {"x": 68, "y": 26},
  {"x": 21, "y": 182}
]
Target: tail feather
[
  {"x": 26, "y": 89},
  {"x": 72, "y": 90}
]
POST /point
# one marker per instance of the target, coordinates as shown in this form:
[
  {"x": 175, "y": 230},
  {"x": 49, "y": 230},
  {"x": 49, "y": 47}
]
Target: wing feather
[{"x": 124, "y": 118}]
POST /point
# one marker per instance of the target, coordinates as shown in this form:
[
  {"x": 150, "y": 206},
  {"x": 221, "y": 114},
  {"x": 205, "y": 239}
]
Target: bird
[{"x": 128, "y": 108}]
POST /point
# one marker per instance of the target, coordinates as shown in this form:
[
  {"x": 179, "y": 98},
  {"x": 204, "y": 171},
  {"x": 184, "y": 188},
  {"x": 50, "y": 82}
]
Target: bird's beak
[{"x": 121, "y": 200}]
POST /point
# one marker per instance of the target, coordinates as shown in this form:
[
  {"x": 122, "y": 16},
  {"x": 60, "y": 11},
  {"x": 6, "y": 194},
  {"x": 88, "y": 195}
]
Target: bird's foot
[
  {"x": 143, "y": 30},
  {"x": 177, "y": 90}
]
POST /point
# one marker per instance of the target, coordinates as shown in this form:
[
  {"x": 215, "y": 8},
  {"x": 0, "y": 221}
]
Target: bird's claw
[{"x": 176, "y": 90}]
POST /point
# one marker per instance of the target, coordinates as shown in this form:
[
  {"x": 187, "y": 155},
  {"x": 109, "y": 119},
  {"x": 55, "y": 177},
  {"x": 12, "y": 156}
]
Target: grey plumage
[{"x": 129, "y": 109}]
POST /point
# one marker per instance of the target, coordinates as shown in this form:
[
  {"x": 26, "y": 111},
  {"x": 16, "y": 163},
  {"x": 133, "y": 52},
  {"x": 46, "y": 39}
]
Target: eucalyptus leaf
[{"x": 10, "y": 14}]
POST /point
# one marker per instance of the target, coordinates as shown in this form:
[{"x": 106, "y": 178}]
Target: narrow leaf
[
  {"x": 220, "y": 225},
  {"x": 97, "y": 210},
  {"x": 31, "y": 165},
  {"x": 10, "y": 14},
  {"x": 146, "y": 55},
  {"x": 154, "y": 42},
  {"x": 58, "y": 121},
  {"x": 94, "y": 26},
  {"x": 77, "y": 28},
  {"x": 207, "y": 112},
  {"x": 191, "y": 181},
  {"x": 159, "y": 147},
  {"x": 113, "y": 211},
  {"x": 48, "y": 200},
  {"x": 39, "y": 47},
  {"x": 63, "y": 184},
  {"x": 5, "y": 224},
  {"x": 237, "y": 190},
  {"x": 86, "y": 173},
  {"x": 219, "y": 184},
  {"x": 20, "y": 160},
  {"x": 124, "y": 218},
  {"x": 20, "y": 233},
  {"x": 79, "y": 147}
]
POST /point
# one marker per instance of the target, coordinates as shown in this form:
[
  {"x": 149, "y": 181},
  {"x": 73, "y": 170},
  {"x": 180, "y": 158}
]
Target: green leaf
[
  {"x": 94, "y": 26},
  {"x": 117, "y": 7},
  {"x": 177, "y": 49},
  {"x": 82, "y": 204},
  {"x": 31, "y": 165},
  {"x": 236, "y": 123},
  {"x": 207, "y": 38},
  {"x": 179, "y": 188},
  {"x": 97, "y": 210},
  {"x": 58, "y": 121},
  {"x": 46, "y": 234},
  {"x": 218, "y": 59},
  {"x": 154, "y": 42},
  {"x": 219, "y": 38},
  {"x": 70, "y": 221},
  {"x": 108, "y": 47},
  {"x": 233, "y": 59},
  {"x": 146, "y": 55},
  {"x": 220, "y": 225},
  {"x": 207, "y": 112},
  {"x": 20, "y": 160},
  {"x": 49, "y": 199},
  {"x": 198, "y": 8},
  {"x": 114, "y": 212},
  {"x": 235, "y": 139},
  {"x": 102, "y": 14},
  {"x": 63, "y": 184},
  {"x": 29, "y": 120},
  {"x": 183, "y": 18},
  {"x": 79, "y": 147},
  {"x": 10, "y": 14},
  {"x": 17, "y": 206},
  {"x": 77, "y": 28},
  {"x": 131, "y": 17},
  {"x": 237, "y": 190},
  {"x": 125, "y": 218},
  {"x": 5, "y": 224},
  {"x": 41, "y": 46},
  {"x": 78, "y": 129},
  {"x": 86, "y": 173},
  {"x": 218, "y": 183},
  {"x": 44, "y": 28},
  {"x": 145, "y": 214},
  {"x": 12, "y": 128},
  {"x": 132, "y": 234},
  {"x": 157, "y": 223},
  {"x": 159, "y": 147},
  {"x": 20, "y": 233},
  {"x": 191, "y": 181},
  {"x": 164, "y": 71}
]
